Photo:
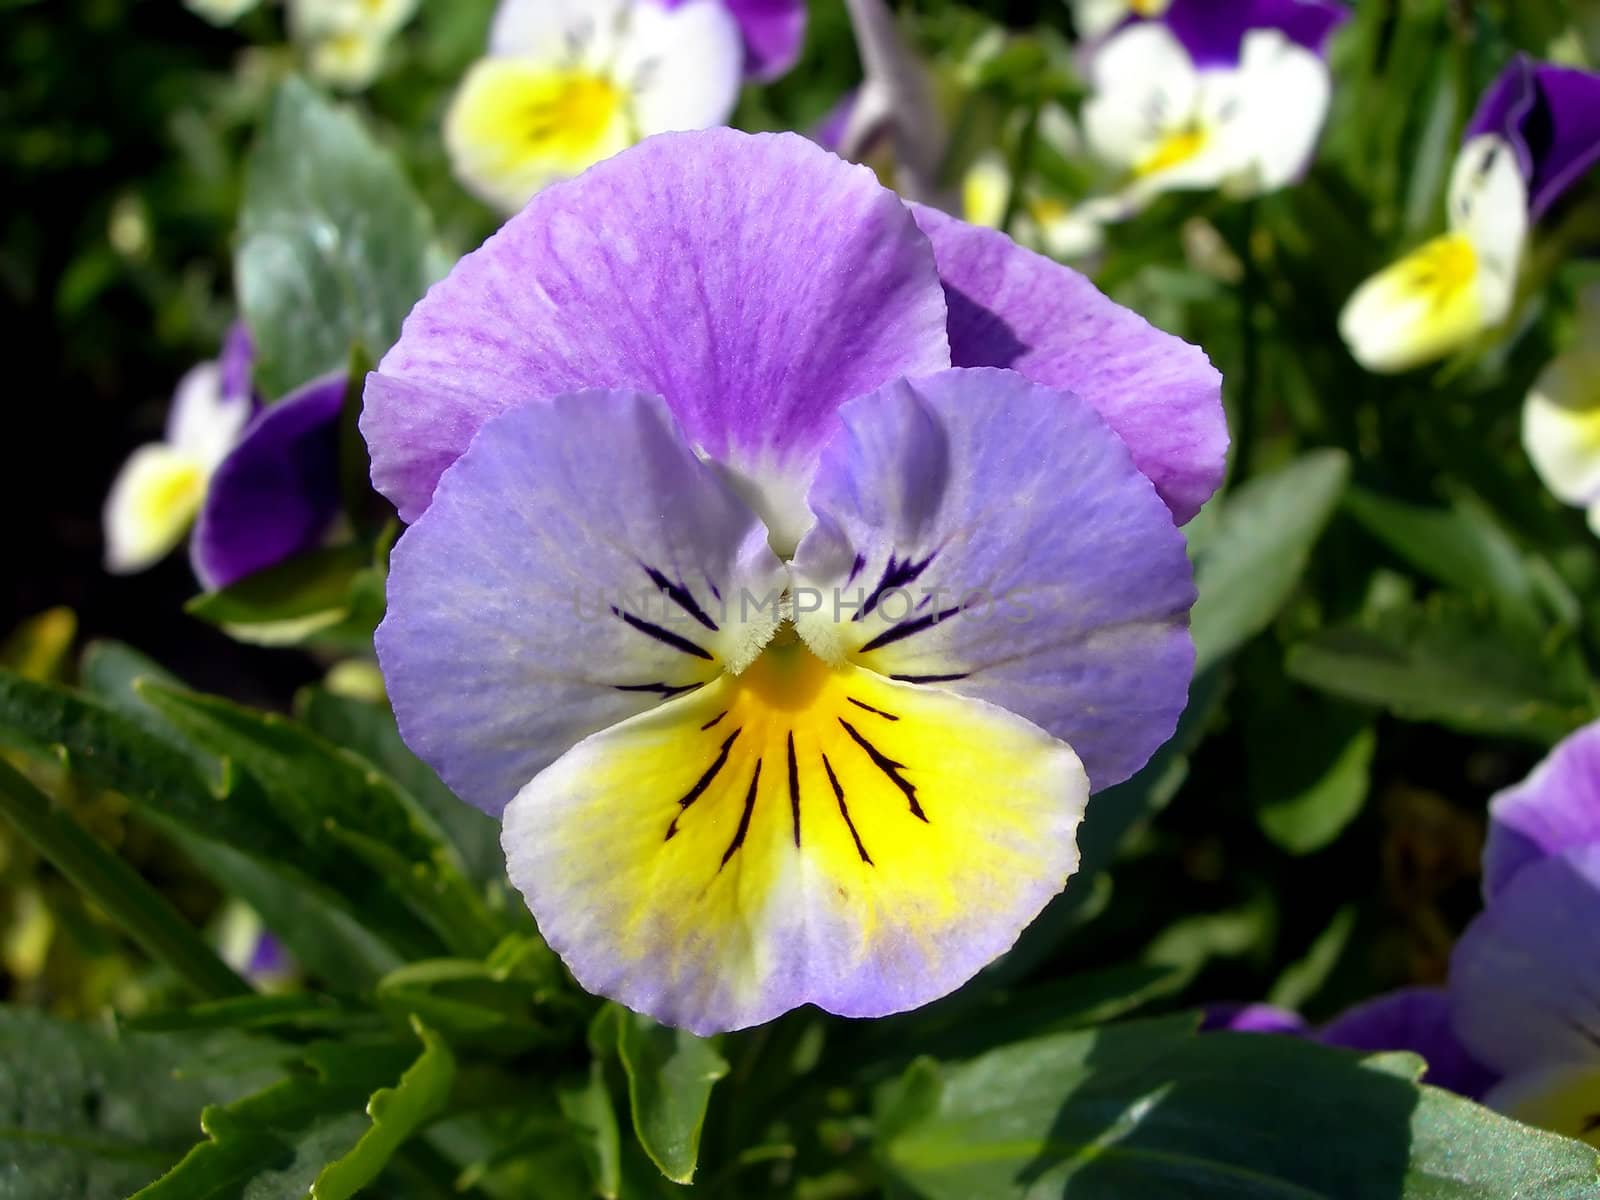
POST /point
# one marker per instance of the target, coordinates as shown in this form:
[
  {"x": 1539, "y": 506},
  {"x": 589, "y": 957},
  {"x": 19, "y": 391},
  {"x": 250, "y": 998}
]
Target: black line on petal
[
  {"x": 701, "y": 784},
  {"x": 844, "y": 811},
  {"x": 715, "y": 719},
  {"x": 794, "y": 789},
  {"x": 855, "y": 569},
  {"x": 681, "y": 596},
  {"x": 895, "y": 574},
  {"x": 905, "y": 629},
  {"x": 890, "y": 768},
  {"x": 887, "y": 716},
  {"x": 744, "y": 818},
  {"x": 930, "y": 678},
  {"x": 665, "y": 636},
  {"x": 662, "y": 689}
]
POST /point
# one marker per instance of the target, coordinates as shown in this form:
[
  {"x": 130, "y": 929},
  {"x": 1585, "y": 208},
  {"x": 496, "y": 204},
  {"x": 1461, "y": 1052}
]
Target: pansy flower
[
  {"x": 1535, "y": 133},
  {"x": 1561, "y": 417},
  {"x": 1215, "y": 95},
  {"x": 1096, "y": 18},
  {"x": 1524, "y": 981},
  {"x": 345, "y": 39},
  {"x": 1043, "y": 221},
  {"x": 570, "y": 82},
  {"x": 276, "y": 494},
  {"x": 786, "y": 565},
  {"x": 157, "y": 493}
]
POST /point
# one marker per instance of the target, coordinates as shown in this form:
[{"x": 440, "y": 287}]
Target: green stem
[
  {"x": 1249, "y": 393},
  {"x": 144, "y": 913}
]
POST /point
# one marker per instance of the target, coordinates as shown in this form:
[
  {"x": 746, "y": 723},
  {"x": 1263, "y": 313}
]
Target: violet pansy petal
[
  {"x": 755, "y": 281},
  {"x": 774, "y": 33},
  {"x": 1556, "y": 808},
  {"x": 1012, "y": 308},
  {"x": 237, "y": 361},
  {"x": 990, "y": 536},
  {"x": 579, "y": 566},
  {"x": 1415, "y": 1019},
  {"x": 1212, "y": 31},
  {"x": 277, "y": 492},
  {"x": 1524, "y": 992},
  {"x": 1252, "y": 1018},
  {"x": 1551, "y": 117}
]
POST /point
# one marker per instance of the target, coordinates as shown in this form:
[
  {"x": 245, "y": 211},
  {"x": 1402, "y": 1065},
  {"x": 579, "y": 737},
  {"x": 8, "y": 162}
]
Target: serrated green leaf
[
  {"x": 293, "y": 600},
  {"x": 397, "y": 1113},
  {"x": 333, "y": 242},
  {"x": 1146, "y": 1109},
  {"x": 670, "y": 1076},
  {"x": 1257, "y": 548},
  {"x": 272, "y": 1144},
  {"x": 1444, "y": 662},
  {"x": 93, "y": 1112},
  {"x": 369, "y": 730}
]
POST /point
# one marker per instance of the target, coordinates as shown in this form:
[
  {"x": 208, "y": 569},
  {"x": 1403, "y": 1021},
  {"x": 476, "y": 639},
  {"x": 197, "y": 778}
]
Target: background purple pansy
[
  {"x": 1550, "y": 115},
  {"x": 1213, "y": 31}
]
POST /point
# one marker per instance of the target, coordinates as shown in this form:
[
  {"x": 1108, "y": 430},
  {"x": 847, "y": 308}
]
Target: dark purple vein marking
[
  {"x": 890, "y": 768},
  {"x": 715, "y": 719},
  {"x": 701, "y": 784},
  {"x": 661, "y": 689},
  {"x": 855, "y": 569},
  {"x": 930, "y": 678},
  {"x": 794, "y": 790},
  {"x": 905, "y": 629},
  {"x": 887, "y": 716},
  {"x": 844, "y": 811},
  {"x": 665, "y": 636},
  {"x": 896, "y": 574},
  {"x": 681, "y": 596},
  {"x": 744, "y": 819}
]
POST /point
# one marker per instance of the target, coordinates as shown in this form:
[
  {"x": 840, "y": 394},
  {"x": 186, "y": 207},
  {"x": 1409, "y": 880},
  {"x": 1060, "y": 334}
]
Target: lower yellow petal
[
  {"x": 518, "y": 124},
  {"x": 797, "y": 834},
  {"x": 1564, "y": 1099},
  {"x": 152, "y": 504},
  {"x": 1421, "y": 308}
]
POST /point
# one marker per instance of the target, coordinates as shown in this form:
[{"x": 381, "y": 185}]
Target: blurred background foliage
[{"x": 1396, "y": 619}]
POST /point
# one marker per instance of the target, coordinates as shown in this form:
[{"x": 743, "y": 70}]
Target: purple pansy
[
  {"x": 774, "y": 32},
  {"x": 784, "y": 566},
  {"x": 1213, "y": 31},
  {"x": 1550, "y": 117},
  {"x": 277, "y": 492}
]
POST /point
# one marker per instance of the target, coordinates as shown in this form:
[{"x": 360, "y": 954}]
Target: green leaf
[
  {"x": 1444, "y": 662},
  {"x": 91, "y": 1112},
  {"x": 397, "y": 1113},
  {"x": 333, "y": 247},
  {"x": 1461, "y": 547},
  {"x": 598, "y": 1137},
  {"x": 670, "y": 1077},
  {"x": 369, "y": 730},
  {"x": 1309, "y": 767},
  {"x": 290, "y": 602},
  {"x": 273, "y": 1144},
  {"x": 1147, "y": 1109},
  {"x": 1257, "y": 548},
  {"x": 144, "y": 914}
]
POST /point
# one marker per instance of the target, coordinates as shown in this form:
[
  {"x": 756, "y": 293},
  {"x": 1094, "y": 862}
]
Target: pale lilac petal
[
  {"x": 574, "y": 570},
  {"x": 755, "y": 281},
  {"x": 1556, "y": 808},
  {"x": 1551, "y": 117},
  {"x": 982, "y": 533},
  {"x": 1524, "y": 978},
  {"x": 774, "y": 32},
  {"x": 237, "y": 362},
  {"x": 1415, "y": 1019},
  {"x": 1012, "y": 308},
  {"x": 277, "y": 492}
]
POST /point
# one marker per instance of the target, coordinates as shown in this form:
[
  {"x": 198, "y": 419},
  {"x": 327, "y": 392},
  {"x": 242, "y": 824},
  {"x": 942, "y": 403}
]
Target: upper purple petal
[
  {"x": 1525, "y": 978},
  {"x": 1212, "y": 31},
  {"x": 1556, "y": 808},
  {"x": 756, "y": 282},
  {"x": 1550, "y": 115},
  {"x": 237, "y": 361},
  {"x": 1019, "y": 555},
  {"x": 1252, "y": 1018},
  {"x": 1010, "y": 307},
  {"x": 1415, "y": 1019},
  {"x": 277, "y": 491},
  {"x": 774, "y": 33}
]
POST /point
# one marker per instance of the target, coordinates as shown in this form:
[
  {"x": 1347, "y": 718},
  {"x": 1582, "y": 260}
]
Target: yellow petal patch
[
  {"x": 1418, "y": 309},
  {"x": 152, "y": 504},
  {"x": 517, "y": 124},
  {"x": 1173, "y": 150},
  {"x": 797, "y": 833},
  {"x": 1564, "y": 1099}
]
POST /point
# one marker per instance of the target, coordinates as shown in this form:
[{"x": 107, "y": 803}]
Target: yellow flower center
[
  {"x": 1148, "y": 8},
  {"x": 569, "y": 111},
  {"x": 1442, "y": 269},
  {"x": 1173, "y": 150}
]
